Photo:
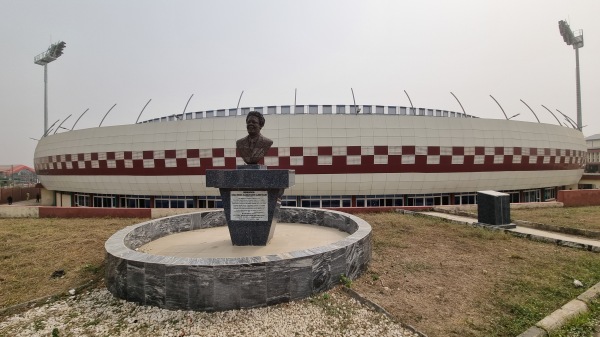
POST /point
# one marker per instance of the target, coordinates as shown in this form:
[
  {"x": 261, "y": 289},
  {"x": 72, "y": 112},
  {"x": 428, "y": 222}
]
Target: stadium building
[{"x": 380, "y": 156}]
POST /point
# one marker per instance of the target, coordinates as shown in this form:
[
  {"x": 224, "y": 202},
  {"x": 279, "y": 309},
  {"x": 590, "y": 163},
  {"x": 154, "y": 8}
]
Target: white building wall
[{"x": 311, "y": 131}]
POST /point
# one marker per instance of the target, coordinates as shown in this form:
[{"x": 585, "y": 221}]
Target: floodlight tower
[
  {"x": 574, "y": 39},
  {"x": 54, "y": 51}
]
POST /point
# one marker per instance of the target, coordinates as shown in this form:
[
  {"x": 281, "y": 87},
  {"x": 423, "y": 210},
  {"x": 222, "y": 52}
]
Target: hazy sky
[{"x": 127, "y": 52}]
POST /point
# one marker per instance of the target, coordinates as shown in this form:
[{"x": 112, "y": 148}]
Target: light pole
[
  {"x": 505, "y": 116},
  {"x": 461, "y": 107},
  {"x": 54, "y": 51},
  {"x": 553, "y": 115},
  {"x": 527, "y": 105},
  {"x": 577, "y": 42}
]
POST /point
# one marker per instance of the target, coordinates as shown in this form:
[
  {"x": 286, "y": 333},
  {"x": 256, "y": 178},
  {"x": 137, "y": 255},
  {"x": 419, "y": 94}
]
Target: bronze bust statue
[{"x": 253, "y": 147}]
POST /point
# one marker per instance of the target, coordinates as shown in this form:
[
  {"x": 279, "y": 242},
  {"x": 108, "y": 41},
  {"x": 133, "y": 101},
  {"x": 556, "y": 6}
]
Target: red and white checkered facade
[{"x": 331, "y": 154}]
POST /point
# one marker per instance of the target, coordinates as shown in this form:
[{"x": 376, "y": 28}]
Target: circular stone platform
[
  {"x": 215, "y": 242},
  {"x": 233, "y": 282}
]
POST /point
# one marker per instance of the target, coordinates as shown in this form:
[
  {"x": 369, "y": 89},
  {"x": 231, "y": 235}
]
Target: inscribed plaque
[{"x": 249, "y": 206}]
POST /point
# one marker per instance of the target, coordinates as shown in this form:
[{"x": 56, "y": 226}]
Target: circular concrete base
[
  {"x": 215, "y": 242},
  {"x": 225, "y": 282}
]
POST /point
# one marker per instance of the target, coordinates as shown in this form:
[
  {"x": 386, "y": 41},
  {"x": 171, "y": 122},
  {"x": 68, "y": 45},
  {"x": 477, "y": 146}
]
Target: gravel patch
[{"x": 98, "y": 313}]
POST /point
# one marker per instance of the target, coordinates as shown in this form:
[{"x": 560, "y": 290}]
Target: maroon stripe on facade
[
  {"x": 57, "y": 164},
  {"x": 310, "y": 161},
  {"x": 336, "y": 161},
  {"x": 421, "y": 162},
  {"x": 433, "y": 150},
  {"x": 193, "y": 153},
  {"x": 218, "y": 152},
  {"x": 230, "y": 162},
  {"x": 93, "y": 212},
  {"x": 296, "y": 151},
  {"x": 381, "y": 150},
  {"x": 353, "y": 150},
  {"x": 408, "y": 149},
  {"x": 273, "y": 152},
  {"x": 325, "y": 150},
  {"x": 206, "y": 162},
  {"x": 445, "y": 160},
  {"x": 284, "y": 162},
  {"x": 395, "y": 160},
  {"x": 170, "y": 154}
]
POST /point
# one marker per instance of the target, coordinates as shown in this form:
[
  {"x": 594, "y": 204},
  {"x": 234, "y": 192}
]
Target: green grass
[
  {"x": 572, "y": 217},
  {"x": 449, "y": 279},
  {"x": 528, "y": 298},
  {"x": 583, "y": 325}
]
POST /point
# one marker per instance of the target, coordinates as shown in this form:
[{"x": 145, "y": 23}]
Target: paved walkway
[
  {"x": 30, "y": 202},
  {"x": 523, "y": 230}
]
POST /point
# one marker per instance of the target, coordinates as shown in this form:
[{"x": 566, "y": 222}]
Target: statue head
[
  {"x": 261, "y": 118},
  {"x": 254, "y": 123},
  {"x": 253, "y": 147}
]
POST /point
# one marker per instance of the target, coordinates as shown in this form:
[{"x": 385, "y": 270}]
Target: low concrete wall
[
  {"x": 579, "y": 198},
  {"x": 19, "y": 212},
  {"x": 92, "y": 212},
  {"x": 165, "y": 212}
]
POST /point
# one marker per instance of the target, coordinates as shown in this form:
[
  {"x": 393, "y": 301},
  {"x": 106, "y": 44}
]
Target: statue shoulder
[
  {"x": 265, "y": 140},
  {"x": 240, "y": 141}
]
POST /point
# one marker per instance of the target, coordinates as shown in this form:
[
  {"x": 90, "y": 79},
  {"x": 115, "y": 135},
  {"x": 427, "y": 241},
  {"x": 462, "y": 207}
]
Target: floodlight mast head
[
  {"x": 54, "y": 51},
  {"x": 574, "y": 39},
  {"x": 570, "y": 37}
]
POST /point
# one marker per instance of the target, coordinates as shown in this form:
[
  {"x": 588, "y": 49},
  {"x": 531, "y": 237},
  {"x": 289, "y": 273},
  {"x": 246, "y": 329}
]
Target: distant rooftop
[
  {"x": 593, "y": 137},
  {"x": 15, "y": 168}
]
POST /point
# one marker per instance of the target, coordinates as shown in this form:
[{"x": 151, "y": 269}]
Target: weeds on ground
[
  {"x": 91, "y": 268},
  {"x": 339, "y": 314},
  {"x": 345, "y": 281}
]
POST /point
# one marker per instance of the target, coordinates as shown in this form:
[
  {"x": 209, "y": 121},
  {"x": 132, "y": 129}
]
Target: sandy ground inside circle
[{"x": 215, "y": 242}]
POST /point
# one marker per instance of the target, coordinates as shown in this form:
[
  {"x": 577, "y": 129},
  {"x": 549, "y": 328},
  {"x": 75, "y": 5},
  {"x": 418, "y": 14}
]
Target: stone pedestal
[
  {"x": 493, "y": 208},
  {"x": 251, "y": 197}
]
